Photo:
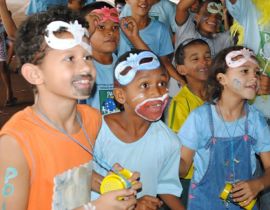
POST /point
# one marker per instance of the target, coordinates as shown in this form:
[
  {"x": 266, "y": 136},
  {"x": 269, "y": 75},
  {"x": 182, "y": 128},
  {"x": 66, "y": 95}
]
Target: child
[
  {"x": 136, "y": 137},
  {"x": 205, "y": 25},
  {"x": 222, "y": 137},
  {"x": 104, "y": 41},
  {"x": 46, "y": 149},
  {"x": 193, "y": 59},
  {"x": 254, "y": 17},
  {"x": 154, "y": 34},
  {"x": 104, "y": 27}
]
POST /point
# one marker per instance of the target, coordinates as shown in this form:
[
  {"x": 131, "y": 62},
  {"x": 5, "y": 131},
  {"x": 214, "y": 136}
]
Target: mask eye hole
[
  {"x": 146, "y": 60},
  {"x": 126, "y": 70}
]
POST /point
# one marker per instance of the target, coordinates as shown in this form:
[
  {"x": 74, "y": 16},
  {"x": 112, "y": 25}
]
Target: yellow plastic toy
[
  {"x": 115, "y": 181},
  {"x": 224, "y": 195}
]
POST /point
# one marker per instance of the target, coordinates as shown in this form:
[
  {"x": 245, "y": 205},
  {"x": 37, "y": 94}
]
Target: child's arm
[
  {"x": 14, "y": 175},
  {"x": 264, "y": 85},
  {"x": 182, "y": 11},
  {"x": 173, "y": 202},
  {"x": 247, "y": 190},
  {"x": 7, "y": 20},
  {"x": 225, "y": 16},
  {"x": 186, "y": 160},
  {"x": 148, "y": 202},
  {"x": 130, "y": 28}
]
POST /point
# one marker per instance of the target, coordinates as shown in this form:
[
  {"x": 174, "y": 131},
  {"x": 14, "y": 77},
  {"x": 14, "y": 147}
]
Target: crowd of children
[{"x": 101, "y": 75}]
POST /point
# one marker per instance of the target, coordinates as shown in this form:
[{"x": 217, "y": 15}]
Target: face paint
[
  {"x": 152, "y": 109},
  {"x": 107, "y": 14},
  {"x": 237, "y": 58},
  {"x": 8, "y": 188},
  {"x": 134, "y": 62},
  {"x": 77, "y": 31},
  {"x": 214, "y": 8},
  {"x": 236, "y": 84},
  {"x": 138, "y": 97}
]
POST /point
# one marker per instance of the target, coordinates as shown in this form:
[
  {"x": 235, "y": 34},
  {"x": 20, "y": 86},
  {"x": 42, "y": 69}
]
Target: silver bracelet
[{"x": 89, "y": 206}]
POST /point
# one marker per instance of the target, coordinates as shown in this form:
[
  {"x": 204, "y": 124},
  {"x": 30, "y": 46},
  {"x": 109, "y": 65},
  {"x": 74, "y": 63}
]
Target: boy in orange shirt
[{"x": 46, "y": 149}]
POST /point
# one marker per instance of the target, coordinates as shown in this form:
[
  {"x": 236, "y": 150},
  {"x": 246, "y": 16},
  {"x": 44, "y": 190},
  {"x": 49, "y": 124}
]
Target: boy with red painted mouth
[{"x": 147, "y": 145}]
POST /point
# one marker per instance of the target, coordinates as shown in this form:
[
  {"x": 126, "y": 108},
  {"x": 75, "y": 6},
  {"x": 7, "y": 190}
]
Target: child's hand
[
  {"x": 134, "y": 179},
  {"x": 129, "y": 27},
  {"x": 264, "y": 85},
  {"x": 246, "y": 191},
  {"x": 109, "y": 201},
  {"x": 148, "y": 202},
  {"x": 93, "y": 19}
]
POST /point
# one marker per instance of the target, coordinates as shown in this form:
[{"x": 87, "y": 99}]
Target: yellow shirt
[{"x": 181, "y": 106}]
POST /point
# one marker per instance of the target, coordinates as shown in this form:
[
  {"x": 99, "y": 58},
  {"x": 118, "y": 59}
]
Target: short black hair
[
  {"x": 94, "y": 5},
  {"x": 119, "y": 2},
  {"x": 30, "y": 46},
  {"x": 179, "y": 55}
]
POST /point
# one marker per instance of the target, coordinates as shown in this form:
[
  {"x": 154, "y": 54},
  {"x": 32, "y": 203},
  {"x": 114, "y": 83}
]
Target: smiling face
[
  {"x": 147, "y": 95},
  {"x": 197, "y": 60},
  {"x": 208, "y": 19},
  {"x": 242, "y": 81},
  {"x": 139, "y": 7},
  {"x": 67, "y": 73}
]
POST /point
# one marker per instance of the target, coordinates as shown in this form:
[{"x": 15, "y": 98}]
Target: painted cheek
[{"x": 237, "y": 84}]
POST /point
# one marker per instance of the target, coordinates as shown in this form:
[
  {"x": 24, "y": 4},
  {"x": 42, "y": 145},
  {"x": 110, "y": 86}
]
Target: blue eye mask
[{"x": 144, "y": 61}]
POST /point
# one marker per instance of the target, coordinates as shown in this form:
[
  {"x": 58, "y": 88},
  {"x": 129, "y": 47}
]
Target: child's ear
[
  {"x": 119, "y": 95},
  {"x": 181, "y": 69},
  {"x": 32, "y": 74},
  {"x": 221, "y": 78}
]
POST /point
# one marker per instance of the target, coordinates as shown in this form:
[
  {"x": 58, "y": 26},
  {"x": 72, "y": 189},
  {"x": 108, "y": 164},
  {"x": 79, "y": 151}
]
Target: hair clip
[{"x": 107, "y": 14}]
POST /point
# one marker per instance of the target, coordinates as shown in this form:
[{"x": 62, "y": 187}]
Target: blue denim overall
[{"x": 230, "y": 161}]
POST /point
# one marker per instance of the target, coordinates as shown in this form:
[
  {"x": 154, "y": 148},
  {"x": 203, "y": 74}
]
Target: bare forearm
[
  {"x": 173, "y": 202},
  {"x": 7, "y": 20},
  {"x": 182, "y": 11}
]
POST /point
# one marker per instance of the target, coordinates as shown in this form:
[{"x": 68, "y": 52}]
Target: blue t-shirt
[
  {"x": 156, "y": 36},
  {"x": 102, "y": 97},
  {"x": 163, "y": 11},
  {"x": 195, "y": 133},
  {"x": 156, "y": 156}
]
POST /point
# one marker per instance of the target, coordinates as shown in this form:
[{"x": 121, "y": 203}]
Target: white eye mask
[
  {"x": 244, "y": 56},
  {"x": 133, "y": 61},
  {"x": 214, "y": 8},
  {"x": 77, "y": 31}
]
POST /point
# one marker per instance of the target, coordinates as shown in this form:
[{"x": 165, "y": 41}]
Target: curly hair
[
  {"x": 30, "y": 46},
  {"x": 214, "y": 88}
]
